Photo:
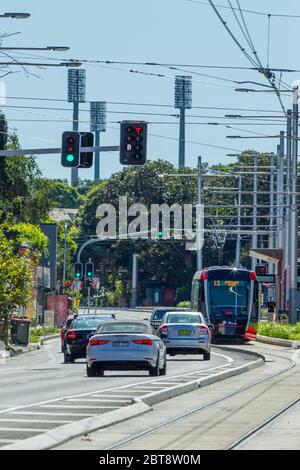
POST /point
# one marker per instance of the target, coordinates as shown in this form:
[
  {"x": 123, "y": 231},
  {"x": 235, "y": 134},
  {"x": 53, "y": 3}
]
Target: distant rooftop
[{"x": 63, "y": 215}]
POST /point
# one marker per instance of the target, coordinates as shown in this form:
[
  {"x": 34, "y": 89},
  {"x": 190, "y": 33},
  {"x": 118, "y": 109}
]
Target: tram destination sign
[{"x": 267, "y": 279}]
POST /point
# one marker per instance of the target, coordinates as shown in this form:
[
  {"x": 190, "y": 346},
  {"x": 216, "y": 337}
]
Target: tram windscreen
[{"x": 228, "y": 298}]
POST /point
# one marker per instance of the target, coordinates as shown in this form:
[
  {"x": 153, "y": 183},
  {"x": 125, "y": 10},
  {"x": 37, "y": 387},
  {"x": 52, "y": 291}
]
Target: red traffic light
[{"x": 261, "y": 270}]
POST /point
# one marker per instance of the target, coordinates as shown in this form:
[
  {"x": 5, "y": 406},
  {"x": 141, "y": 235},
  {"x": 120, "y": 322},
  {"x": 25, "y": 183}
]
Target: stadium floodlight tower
[
  {"x": 183, "y": 101},
  {"x": 76, "y": 95},
  {"x": 98, "y": 125}
]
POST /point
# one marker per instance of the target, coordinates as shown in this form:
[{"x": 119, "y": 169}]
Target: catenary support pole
[
  {"x": 272, "y": 213},
  {"x": 198, "y": 236},
  {"x": 238, "y": 239},
  {"x": 255, "y": 189},
  {"x": 294, "y": 212},
  {"x": 288, "y": 206}
]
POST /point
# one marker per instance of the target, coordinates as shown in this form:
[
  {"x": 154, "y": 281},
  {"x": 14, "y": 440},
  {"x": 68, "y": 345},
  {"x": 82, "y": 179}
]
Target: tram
[{"x": 229, "y": 300}]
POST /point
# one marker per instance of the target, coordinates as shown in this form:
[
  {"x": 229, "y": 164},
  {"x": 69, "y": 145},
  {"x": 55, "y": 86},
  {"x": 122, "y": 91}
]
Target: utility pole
[
  {"x": 294, "y": 212},
  {"x": 288, "y": 205},
  {"x": 183, "y": 101},
  {"x": 255, "y": 199},
  {"x": 76, "y": 95},
  {"x": 238, "y": 240},
  {"x": 198, "y": 236},
  {"x": 98, "y": 125}
]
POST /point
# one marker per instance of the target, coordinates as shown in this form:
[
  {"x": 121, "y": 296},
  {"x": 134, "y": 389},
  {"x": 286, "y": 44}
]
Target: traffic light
[
  {"x": 133, "y": 146},
  {"x": 89, "y": 283},
  {"x": 261, "y": 270},
  {"x": 78, "y": 270},
  {"x": 70, "y": 149},
  {"x": 89, "y": 270},
  {"x": 86, "y": 158},
  {"x": 160, "y": 230}
]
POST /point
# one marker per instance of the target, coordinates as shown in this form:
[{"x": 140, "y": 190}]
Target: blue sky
[{"x": 165, "y": 31}]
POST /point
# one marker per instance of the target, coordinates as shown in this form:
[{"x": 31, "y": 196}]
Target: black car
[
  {"x": 77, "y": 337},
  {"x": 158, "y": 314}
]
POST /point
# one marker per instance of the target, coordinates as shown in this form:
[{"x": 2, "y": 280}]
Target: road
[
  {"x": 49, "y": 389},
  {"x": 219, "y": 416}
]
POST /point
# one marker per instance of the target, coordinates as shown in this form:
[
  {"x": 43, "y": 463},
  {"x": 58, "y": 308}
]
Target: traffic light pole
[
  {"x": 288, "y": 206},
  {"x": 74, "y": 173}
]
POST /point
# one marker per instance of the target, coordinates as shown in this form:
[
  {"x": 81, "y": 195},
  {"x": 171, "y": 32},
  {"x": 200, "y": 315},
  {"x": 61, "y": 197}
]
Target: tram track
[{"x": 184, "y": 416}]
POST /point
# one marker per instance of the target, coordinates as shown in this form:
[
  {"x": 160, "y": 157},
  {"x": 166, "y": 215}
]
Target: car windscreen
[
  {"x": 184, "y": 318},
  {"x": 124, "y": 328},
  {"x": 158, "y": 315},
  {"x": 87, "y": 323}
]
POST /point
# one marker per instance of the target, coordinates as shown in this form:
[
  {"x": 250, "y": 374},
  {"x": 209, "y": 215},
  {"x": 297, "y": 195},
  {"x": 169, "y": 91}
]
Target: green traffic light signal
[
  {"x": 89, "y": 274},
  {"x": 70, "y": 158}
]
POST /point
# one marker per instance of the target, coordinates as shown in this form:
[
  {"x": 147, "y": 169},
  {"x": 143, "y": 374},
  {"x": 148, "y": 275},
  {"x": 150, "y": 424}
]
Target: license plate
[
  {"x": 121, "y": 344},
  {"x": 184, "y": 333}
]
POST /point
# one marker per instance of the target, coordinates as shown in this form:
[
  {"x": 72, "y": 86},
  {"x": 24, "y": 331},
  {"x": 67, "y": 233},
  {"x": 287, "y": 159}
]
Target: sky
[{"x": 161, "y": 31}]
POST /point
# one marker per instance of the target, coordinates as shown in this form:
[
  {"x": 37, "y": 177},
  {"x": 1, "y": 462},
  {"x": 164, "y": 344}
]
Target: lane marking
[
  {"x": 28, "y": 420},
  {"x": 50, "y": 413},
  {"x": 36, "y": 430},
  {"x": 116, "y": 389},
  {"x": 81, "y": 407}
]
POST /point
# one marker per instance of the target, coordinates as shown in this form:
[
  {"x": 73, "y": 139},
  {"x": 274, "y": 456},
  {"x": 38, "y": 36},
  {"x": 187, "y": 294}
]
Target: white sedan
[{"x": 125, "y": 345}]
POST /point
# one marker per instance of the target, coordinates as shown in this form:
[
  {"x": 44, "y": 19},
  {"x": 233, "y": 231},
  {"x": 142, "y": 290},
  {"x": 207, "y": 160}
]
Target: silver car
[
  {"x": 186, "y": 333},
  {"x": 125, "y": 345}
]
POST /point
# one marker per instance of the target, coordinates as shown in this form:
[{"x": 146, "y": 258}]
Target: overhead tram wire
[
  {"x": 156, "y": 64},
  {"x": 278, "y": 15},
  {"x": 256, "y": 62},
  {"x": 216, "y": 108}
]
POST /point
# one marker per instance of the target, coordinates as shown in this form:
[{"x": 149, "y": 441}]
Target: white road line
[
  {"x": 23, "y": 429},
  {"x": 29, "y": 420},
  {"x": 95, "y": 400},
  {"x": 8, "y": 441},
  {"x": 49, "y": 413},
  {"x": 102, "y": 407},
  {"x": 112, "y": 389}
]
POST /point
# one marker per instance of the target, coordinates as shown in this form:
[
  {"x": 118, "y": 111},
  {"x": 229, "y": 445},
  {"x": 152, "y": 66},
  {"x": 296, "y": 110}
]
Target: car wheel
[
  {"x": 163, "y": 371},
  {"x": 68, "y": 358},
  {"x": 206, "y": 356},
  {"x": 154, "y": 371},
  {"x": 91, "y": 371}
]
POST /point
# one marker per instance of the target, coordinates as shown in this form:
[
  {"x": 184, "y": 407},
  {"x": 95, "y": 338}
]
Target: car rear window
[
  {"x": 87, "y": 324},
  {"x": 177, "y": 318},
  {"x": 124, "y": 328}
]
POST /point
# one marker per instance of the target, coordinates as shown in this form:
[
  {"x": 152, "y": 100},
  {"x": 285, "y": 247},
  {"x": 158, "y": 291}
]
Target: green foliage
[
  {"x": 15, "y": 283},
  {"x": 280, "y": 330},
  {"x": 186, "y": 304},
  {"x": 60, "y": 194},
  {"x": 37, "y": 332},
  {"x": 27, "y": 233}
]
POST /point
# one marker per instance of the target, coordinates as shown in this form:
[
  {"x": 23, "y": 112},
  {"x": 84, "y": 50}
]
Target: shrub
[
  {"x": 185, "y": 304},
  {"x": 37, "y": 332},
  {"x": 280, "y": 330}
]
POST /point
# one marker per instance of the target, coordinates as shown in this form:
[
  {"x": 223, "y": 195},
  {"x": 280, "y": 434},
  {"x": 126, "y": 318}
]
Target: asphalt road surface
[{"x": 34, "y": 379}]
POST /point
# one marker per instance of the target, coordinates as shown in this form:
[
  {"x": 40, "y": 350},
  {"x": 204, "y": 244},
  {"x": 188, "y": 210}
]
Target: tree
[{"x": 15, "y": 283}]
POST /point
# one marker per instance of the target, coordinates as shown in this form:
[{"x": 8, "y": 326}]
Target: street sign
[
  {"x": 96, "y": 284},
  {"x": 267, "y": 279}
]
